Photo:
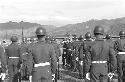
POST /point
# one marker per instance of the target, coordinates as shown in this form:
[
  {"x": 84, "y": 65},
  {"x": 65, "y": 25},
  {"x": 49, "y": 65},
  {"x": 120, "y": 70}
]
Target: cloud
[{"x": 69, "y": 11}]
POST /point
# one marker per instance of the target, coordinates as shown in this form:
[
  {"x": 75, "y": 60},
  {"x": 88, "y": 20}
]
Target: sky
[{"x": 60, "y": 12}]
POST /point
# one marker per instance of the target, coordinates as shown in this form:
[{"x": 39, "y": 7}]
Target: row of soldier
[
  {"x": 96, "y": 57},
  {"x": 99, "y": 58},
  {"x": 36, "y": 62}
]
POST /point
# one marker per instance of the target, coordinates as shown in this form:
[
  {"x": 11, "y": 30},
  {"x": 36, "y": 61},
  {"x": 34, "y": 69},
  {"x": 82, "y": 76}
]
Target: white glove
[
  {"x": 88, "y": 76},
  {"x": 30, "y": 78},
  {"x": 81, "y": 62},
  {"x": 3, "y": 75},
  {"x": 77, "y": 59},
  {"x": 53, "y": 75},
  {"x": 110, "y": 75}
]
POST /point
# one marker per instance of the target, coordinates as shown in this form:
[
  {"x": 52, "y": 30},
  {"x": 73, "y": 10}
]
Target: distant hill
[
  {"x": 13, "y": 28},
  {"x": 111, "y": 26}
]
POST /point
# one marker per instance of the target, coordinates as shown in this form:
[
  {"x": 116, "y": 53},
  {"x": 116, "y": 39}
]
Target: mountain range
[{"x": 112, "y": 27}]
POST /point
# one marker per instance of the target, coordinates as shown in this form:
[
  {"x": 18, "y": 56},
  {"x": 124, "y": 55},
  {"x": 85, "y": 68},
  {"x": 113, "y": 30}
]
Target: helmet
[
  {"x": 14, "y": 39},
  {"x": 41, "y": 31},
  {"x": 98, "y": 30},
  {"x": 81, "y": 37},
  {"x": 88, "y": 35},
  {"x": 122, "y": 33},
  {"x": 108, "y": 36}
]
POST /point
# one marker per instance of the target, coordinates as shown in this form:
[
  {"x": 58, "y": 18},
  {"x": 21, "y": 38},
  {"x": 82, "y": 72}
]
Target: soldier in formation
[
  {"x": 120, "y": 48},
  {"x": 98, "y": 57},
  {"x": 13, "y": 58},
  {"x": 39, "y": 60},
  {"x": 43, "y": 57}
]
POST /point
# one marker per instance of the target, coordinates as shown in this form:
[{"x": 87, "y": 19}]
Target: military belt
[
  {"x": 121, "y": 53},
  {"x": 99, "y": 61},
  {"x": 42, "y": 64},
  {"x": 13, "y": 57}
]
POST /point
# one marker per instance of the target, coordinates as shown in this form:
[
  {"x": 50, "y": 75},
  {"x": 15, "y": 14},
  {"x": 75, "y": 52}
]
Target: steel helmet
[
  {"x": 81, "y": 37},
  {"x": 122, "y": 33},
  {"x": 98, "y": 30},
  {"x": 41, "y": 31},
  {"x": 88, "y": 35},
  {"x": 14, "y": 39}
]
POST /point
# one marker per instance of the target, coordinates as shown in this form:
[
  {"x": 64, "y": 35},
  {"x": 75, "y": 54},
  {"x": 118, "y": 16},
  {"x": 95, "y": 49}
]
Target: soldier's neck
[
  {"x": 41, "y": 39},
  {"x": 99, "y": 36}
]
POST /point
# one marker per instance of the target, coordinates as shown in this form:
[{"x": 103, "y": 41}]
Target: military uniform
[
  {"x": 58, "y": 54},
  {"x": 64, "y": 53},
  {"x": 57, "y": 49},
  {"x": 69, "y": 55},
  {"x": 24, "y": 59},
  {"x": 98, "y": 57},
  {"x": 79, "y": 57},
  {"x": 3, "y": 61},
  {"x": 44, "y": 59},
  {"x": 13, "y": 53},
  {"x": 85, "y": 46},
  {"x": 120, "y": 47}
]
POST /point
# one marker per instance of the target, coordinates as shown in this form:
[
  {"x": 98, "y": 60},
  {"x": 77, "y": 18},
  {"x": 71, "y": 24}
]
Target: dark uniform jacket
[
  {"x": 24, "y": 51},
  {"x": 42, "y": 52},
  {"x": 57, "y": 49},
  {"x": 13, "y": 50},
  {"x": 3, "y": 59},
  {"x": 100, "y": 51},
  {"x": 120, "y": 45}
]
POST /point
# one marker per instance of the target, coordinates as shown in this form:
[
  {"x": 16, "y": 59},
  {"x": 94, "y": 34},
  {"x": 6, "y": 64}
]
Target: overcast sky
[{"x": 60, "y": 12}]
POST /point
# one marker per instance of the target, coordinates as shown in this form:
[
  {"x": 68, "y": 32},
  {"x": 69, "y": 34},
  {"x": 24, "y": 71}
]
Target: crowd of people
[{"x": 96, "y": 58}]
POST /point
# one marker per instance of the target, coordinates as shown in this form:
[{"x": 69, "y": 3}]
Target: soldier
[
  {"x": 120, "y": 47},
  {"x": 43, "y": 57},
  {"x": 13, "y": 53},
  {"x": 3, "y": 63},
  {"x": 75, "y": 52},
  {"x": 98, "y": 56},
  {"x": 24, "y": 59},
  {"x": 64, "y": 53},
  {"x": 88, "y": 43},
  {"x": 57, "y": 51},
  {"x": 80, "y": 57},
  {"x": 56, "y": 47}
]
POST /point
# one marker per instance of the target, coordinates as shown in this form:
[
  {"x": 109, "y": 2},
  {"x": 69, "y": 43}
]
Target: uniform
[
  {"x": 57, "y": 49},
  {"x": 64, "y": 53},
  {"x": 69, "y": 56},
  {"x": 3, "y": 61},
  {"x": 13, "y": 53},
  {"x": 100, "y": 51},
  {"x": 58, "y": 54},
  {"x": 44, "y": 59},
  {"x": 98, "y": 56},
  {"x": 120, "y": 47},
  {"x": 79, "y": 56},
  {"x": 86, "y": 47},
  {"x": 24, "y": 59}
]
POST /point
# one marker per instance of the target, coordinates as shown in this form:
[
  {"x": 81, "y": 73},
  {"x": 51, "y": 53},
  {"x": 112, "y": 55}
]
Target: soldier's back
[
  {"x": 40, "y": 52},
  {"x": 13, "y": 50}
]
